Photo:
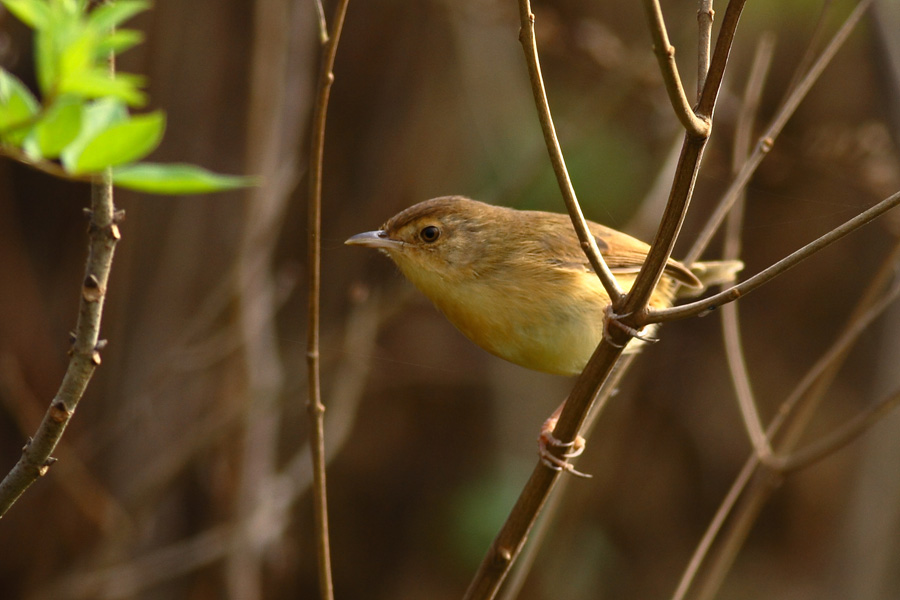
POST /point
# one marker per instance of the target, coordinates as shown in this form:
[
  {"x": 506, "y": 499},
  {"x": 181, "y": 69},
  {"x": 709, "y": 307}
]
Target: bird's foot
[
  {"x": 611, "y": 319},
  {"x": 572, "y": 449}
]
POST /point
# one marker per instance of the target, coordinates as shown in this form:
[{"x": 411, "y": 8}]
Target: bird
[{"x": 517, "y": 283}]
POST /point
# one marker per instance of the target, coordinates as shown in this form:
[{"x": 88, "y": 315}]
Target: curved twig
[
  {"x": 731, "y": 332},
  {"x": 665, "y": 54},
  {"x": 588, "y": 243}
]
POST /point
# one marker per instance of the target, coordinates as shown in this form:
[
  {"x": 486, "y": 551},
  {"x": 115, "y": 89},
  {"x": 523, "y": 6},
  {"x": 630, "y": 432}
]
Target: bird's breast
[{"x": 551, "y": 324}]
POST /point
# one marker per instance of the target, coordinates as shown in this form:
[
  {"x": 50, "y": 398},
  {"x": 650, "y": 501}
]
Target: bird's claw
[
  {"x": 611, "y": 318},
  {"x": 559, "y": 463}
]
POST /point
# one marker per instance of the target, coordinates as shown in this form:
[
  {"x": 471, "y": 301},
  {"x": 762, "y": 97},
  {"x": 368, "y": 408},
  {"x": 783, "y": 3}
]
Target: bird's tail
[{"x": 710, "y": 273}]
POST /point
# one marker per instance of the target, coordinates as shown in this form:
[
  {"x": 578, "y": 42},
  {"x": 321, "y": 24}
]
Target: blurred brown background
[{"x": 184, "y": 473}]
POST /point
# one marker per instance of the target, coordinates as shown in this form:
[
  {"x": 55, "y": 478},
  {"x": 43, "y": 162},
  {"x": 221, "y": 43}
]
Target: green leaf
[
  {"x": 107, "y": 16},
  {"x": 118, "y": 41},
  {"x": 76, "y": 56},
  {"x": 96, "y": 83},
  {"x": 45, "y": 60},
  {"x": 96, "y": 117},
  {"x": 34, "y": 13},
  {"x": 158, "y": 178},
  {"x": 122, "y": 143},
  {"x": 17, "y": 106},
  {"x": 70, "y": 7},
  {"x": 59, "y": 127}
]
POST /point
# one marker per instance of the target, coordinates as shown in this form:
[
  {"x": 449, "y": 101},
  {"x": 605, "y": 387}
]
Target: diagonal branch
[
  {"x": 733, "y": 293},
  {"x": 84, "y": 355}
]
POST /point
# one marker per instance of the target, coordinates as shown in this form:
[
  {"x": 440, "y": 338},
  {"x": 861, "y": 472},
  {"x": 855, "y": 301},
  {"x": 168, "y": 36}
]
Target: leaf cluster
[{"x": 80, "y": 125}]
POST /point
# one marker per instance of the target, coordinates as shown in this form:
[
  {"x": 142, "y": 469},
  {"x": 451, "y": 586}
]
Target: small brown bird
[{"x": 517, "y": 283}]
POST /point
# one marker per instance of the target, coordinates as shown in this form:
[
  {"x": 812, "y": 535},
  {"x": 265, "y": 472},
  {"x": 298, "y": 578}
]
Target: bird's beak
[{"x": 374, "y": 239}]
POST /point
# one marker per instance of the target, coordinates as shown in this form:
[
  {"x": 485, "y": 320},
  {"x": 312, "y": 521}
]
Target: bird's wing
[{"x": 622, "y": 253}]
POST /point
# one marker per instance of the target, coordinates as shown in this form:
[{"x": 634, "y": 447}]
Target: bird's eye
[{"x": 430, "y": 234}]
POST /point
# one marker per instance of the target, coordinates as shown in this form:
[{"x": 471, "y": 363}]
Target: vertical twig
[
  {"x": 705, "y": 15},
  {"x": 732, "y": 250},
  {"x": 314, "y": 402},
  {"x": 693, "y": 123},
  {"x": 731, "y": 332}
]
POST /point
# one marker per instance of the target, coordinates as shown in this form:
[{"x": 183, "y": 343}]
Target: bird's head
[{"x": 442, "y": 237}]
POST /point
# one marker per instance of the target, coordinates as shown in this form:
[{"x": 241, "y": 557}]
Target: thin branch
[
  {"x": 710, "y": 94},
  {"x": 315, "y": 408},
  {"x": 588, "y": 243},
  {"x": 88, "y": 494},
  {"x": 819, "y": 31},
  {"x": 705, "y": 16},
  {"x": 715, "y": 527},
  {"x": 784, "y": 431},
  {"x": 733, "y": 293},
  {"x": 740, "y": 378},
  {"x": 767, "y": 140},
  {"x": 665, "y": 55},
  {"x": 853, "y": 428},
  {"x": 84, "y": 355}
]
